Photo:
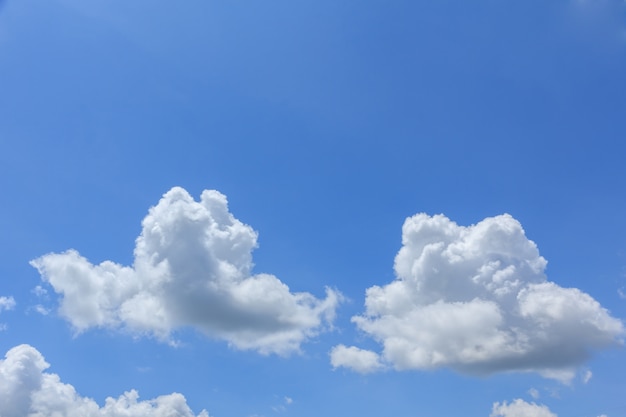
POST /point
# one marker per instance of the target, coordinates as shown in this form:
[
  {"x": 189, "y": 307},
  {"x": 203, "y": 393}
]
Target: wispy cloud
[
  {"x": 41, "y": 310},
  {"x": 7, "y": 303},
  {"x": 40, "y": 291},
  {"x": 280, "y": 408}
]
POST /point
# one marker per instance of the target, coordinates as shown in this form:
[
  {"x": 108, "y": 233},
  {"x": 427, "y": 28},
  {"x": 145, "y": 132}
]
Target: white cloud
[
  {"x": 587, "y": 376},
  {"x": 192, "y": 267},
  {"x": 534, "y": 393},
  {"x": 41, "y": 310},
  {"x": 476, "y": 299},
  {"x": 520, "y": 408},
  {"x": 40, "y": 291},
  {"x": 281, "y": 408},
  {"x": 28, "y": 391},
  {"x": 360, "y": 360},
  {"x": 7, "y": 303}
]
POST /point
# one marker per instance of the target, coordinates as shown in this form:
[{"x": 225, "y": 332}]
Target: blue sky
[{"x": 325, "y": 126}]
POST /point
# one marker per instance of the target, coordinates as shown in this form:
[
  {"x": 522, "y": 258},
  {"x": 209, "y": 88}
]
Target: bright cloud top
[
  {"x": 192, "y": 267},
  {"x": 476, "y": 299},
  {"x": 35, "y": 393}
]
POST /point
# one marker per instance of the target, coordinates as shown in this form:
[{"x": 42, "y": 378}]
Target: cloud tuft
[
  {"x": 534, "y": 393},
  {"x": 520, "y": 408},
  {"x": 359, "y": 360},
  {"x": 7, "y": 303}
]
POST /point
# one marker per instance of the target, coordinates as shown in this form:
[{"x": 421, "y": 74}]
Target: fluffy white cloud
[
  {"x": 361, "y": 360},
  {"x": 476, "y": 299},
  {"x": 192, "y": 267},
  {"x": 27, "y": 391},
  {"x": 520, "y": 408}
]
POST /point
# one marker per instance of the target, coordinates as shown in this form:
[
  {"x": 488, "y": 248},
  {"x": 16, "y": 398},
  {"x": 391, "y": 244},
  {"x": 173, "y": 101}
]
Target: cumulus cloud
[
  {"x": 192, "y": 267},
  {"x": 28, "y": 391},
  {"x": 476, "y": 299},
  {"x": 360, "y": 360},
  {"x": 520, "y": 408}
]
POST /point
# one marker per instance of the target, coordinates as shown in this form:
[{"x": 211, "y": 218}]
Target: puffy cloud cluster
[
  {"x": 520, "y": 408},
  {"x": 192, "y": 267},
  {"x": 476, "y": 299},
  {"x": 35, "y": 393}
]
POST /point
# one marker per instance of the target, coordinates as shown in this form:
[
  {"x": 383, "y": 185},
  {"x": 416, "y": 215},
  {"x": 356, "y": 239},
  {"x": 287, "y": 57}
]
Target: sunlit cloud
[
  {"x": 34, "y": 392},
  {"x": 192, "y": 268},
  {"x": 476, "y": 299}
]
